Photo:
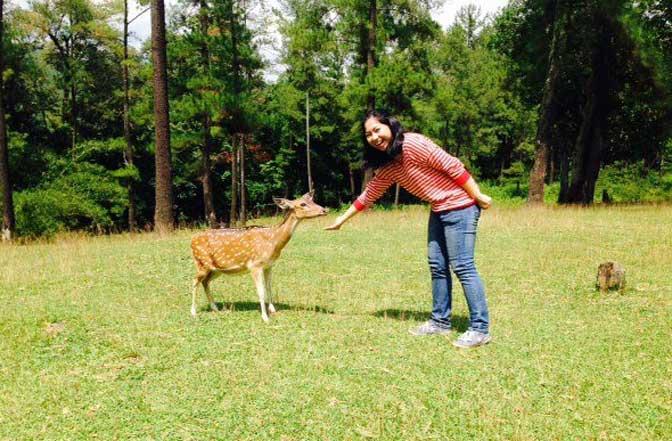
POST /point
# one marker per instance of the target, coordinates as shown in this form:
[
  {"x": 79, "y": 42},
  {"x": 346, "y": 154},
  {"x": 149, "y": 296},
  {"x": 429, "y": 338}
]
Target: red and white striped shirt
[{"x": 424, "y": 170}]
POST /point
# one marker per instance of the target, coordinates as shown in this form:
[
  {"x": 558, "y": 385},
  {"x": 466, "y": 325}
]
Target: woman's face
[{"x": 378, "y": 135}]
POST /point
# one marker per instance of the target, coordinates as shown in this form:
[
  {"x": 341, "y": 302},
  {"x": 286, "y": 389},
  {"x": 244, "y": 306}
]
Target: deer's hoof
[
  {"x": 193, "y": 312},
  {"x": 271, "y": 308}
]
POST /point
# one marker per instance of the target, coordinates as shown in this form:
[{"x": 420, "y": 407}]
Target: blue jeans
[{"x": 450, "y": 241}]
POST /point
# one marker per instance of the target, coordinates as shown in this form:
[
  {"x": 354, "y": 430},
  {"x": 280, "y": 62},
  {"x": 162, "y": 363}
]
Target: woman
[{"x": 428, "y": 172}]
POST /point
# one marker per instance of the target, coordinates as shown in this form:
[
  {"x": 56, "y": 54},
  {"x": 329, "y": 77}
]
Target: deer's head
[{"x": 303, "y": 207}]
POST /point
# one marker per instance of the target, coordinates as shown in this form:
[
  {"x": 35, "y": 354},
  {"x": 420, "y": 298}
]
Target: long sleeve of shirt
[
  {"x": 426, "y": 171},
  {"x": 437, "y": 158},
  {"x": 375, "y": 189}
]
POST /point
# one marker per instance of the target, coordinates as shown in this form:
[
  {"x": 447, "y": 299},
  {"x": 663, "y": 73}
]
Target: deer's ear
[
  {"x": 282, "y": 203},
  {"x": 309, "y": 195}
]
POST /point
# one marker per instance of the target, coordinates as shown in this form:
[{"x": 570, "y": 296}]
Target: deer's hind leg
[
  {"x": 201, "y": 276},
  {"x": 206, "y": 287}
]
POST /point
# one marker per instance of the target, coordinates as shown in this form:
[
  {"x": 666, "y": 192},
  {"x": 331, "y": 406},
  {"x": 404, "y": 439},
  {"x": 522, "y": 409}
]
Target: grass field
[{"x": 96, "y": 339}]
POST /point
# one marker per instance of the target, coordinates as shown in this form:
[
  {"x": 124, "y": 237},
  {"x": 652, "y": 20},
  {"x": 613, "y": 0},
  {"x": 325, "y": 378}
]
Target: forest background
[{"x": 545, "y": 101}]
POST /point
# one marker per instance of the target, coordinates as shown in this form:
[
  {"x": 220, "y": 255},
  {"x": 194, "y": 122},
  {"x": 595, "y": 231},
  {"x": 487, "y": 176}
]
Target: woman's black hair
[{"x": 374, "y": 158}]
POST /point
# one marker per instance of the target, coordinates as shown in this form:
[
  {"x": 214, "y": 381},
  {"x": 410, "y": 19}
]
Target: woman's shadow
[{"x": 460, "y": 323}]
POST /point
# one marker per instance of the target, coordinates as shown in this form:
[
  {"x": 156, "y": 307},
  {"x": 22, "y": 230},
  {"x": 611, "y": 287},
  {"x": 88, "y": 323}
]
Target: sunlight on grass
[{"x": 97, "y": 339}]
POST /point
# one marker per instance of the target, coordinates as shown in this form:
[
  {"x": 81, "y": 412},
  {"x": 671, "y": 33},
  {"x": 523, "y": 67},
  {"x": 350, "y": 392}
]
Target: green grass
[{"x": 96, "y": 340}]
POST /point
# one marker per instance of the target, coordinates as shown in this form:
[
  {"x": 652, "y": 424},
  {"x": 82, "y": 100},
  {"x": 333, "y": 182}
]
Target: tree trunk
[
  {"x": 653, "y": 159},
  {"x": 128, "y": 151},
  {"x": 351, "y": 173},
  {"x": 370, "y": 66},
  {"x": 549, "y": 109},
  {"x": 564, "y": 173},
  {"x": 73, "y": 114},
  {"x": 8, "y": 221},
  {"x": 233, "y": 218},
  {"x": 206, "y": 176},
  {"x": 310, "y": 177},
  {"x": 243, "y": 202},
  {"x": 237, "y": 123},
  {"x": 236, "y": 68},
  {"x": 505, "y": 158},
  {"x": 584, "y": 144},
  {"x": 371, "y": 53},
  {"x": 163, "y": 213},
  {"x": 589, "y": 143}
]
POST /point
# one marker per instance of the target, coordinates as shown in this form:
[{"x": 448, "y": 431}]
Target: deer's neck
[{"x": 284, "y": 231}]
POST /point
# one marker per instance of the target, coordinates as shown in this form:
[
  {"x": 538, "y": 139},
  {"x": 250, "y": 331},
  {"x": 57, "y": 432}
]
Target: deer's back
[{"x": 231, "y": 249}]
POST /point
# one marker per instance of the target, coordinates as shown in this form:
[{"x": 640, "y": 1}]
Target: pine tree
[
  {"x": 8, "y": 223},
  {"x": 163, "y": 212}
]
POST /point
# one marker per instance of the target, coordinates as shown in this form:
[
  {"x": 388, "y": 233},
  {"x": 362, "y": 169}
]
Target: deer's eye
[{"x": 303, "y": 204}]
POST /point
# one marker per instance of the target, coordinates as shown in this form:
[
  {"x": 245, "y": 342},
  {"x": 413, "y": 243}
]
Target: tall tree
[
  {"x": 592, "y": 136},
  {"x": 237, "y": 111},
  {"x": 235, "y": 181},
  {"x": 163, "y": 212},
  {"x": 243, "y": 194},
  {"x": 606, "y": 77},
  {"x": 8, "y": 222},
  {"x": 370, "y": 46},
  {"x": 469, "y": 19},
  {"x": 549, "y": 108},
  {"x": 229, "y": 22},
  {"x": 128, "y": 150},
  {"x": 310, "y": 90},
  {"x": 77, "y": 32},
  {"x": 308, "y": 167},
  {"x": 206, "y": 174},
  {"x": 371, "y": 61},
  {"x": 214, "y": 86}
]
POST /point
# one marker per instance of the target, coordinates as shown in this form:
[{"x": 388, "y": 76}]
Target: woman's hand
[
  {"x": 336, "y": 225},
  {"x": 340, "y": 220},
  {"x": 484, "y": 201}
]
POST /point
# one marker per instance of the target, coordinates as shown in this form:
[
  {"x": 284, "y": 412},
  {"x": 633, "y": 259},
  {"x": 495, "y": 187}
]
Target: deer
[{"x": 254, "y": 249}]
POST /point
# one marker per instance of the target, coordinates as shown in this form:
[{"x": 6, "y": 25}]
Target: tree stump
[
  {"x": 610, "y": 276},
  {"x": 606, "y": 199}
]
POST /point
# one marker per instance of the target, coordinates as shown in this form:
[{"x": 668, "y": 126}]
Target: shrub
[
  {"x": 631, "y": 183},
  {"x": 87, "y": 198}
]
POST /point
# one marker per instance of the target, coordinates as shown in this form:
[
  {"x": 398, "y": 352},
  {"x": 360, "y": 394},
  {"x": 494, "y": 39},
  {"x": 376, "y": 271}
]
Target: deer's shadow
[
  {"x": 254, "y": 306},
  {"x": 460, "y": 323}
]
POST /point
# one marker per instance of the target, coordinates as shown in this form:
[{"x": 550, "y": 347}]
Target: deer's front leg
[
  {"x": 269, "y": 293},
  {"x": 258, "y": 276}
]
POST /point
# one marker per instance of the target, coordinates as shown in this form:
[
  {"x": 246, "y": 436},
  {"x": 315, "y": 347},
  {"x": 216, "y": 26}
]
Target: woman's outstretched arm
[
  {"x": 374, "y": 190},
  {"x": 340, "y": 220}
]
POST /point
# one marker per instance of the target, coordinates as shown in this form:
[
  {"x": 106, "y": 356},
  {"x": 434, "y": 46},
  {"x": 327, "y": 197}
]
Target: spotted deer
[{"x": 253, "y": 249}]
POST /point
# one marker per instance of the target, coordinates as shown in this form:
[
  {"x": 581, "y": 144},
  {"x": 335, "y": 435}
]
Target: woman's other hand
[{"x": 484, "y": 201}]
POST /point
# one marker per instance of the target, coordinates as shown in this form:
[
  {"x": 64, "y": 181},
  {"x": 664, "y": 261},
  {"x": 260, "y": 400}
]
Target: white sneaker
[
  {"x": 472, "y": 339},
  {"x": 429, "y": 328}
]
